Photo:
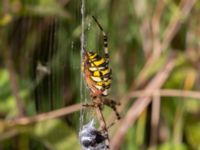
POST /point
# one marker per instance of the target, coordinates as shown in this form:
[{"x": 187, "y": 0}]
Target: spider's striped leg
[
  {"x": 112, "y": 104},
  {"x": 93, "y": 105},
  {"x": 105, "y": 40},
  {"x": 105, "y": 45},
  {"x": 102, "y": 122},
  {"x": 89, "y": 105}
]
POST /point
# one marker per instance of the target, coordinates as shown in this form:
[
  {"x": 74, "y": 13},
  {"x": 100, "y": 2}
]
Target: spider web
[
  {"x": 48, "y": 47},
  {"x": 50, "y": 59},
  {"x": 91, "y": 40},
  {"x": 85, "y": 114}
]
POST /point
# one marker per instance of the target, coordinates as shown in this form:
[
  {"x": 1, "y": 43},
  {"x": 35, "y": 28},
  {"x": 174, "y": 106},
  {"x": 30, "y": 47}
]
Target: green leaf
[
  {"x": 56, "y": 135},
  {"x": 171, "y": 146},
  {"x": 193, "y": 131},
  {"x": 46, "y": 8}
]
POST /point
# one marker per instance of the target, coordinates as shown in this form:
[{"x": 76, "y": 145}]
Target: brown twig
[
  {"x": 141, "y": 103},
  {"x": 13, "y": 76},
  {"x": 182, "y": 12},
  {"x": 76, "y": 107},
  {"x": 155, "y": 115},
  {"x": 155, "y": 24},
  {"x": 45, "y": 116},
  {"x": 165, "y": 92},
  {"x": 146, "y": 34},
  {"x": 6, "y": 53},
  {"x": 9, "y": 126}
]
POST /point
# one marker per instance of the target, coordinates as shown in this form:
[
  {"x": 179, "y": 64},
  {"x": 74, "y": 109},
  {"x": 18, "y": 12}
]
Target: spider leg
[
  {"x": 103, "y": 127},
  {"x": 112, "y": 104},
  {"x": 89, "y": 105},
  {"x": 102, "y": 122},
  {"x": 105, "y": 40}
]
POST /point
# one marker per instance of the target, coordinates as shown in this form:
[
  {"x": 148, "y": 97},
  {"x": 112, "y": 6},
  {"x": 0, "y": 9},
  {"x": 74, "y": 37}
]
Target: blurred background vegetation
[{"x": 154, "y": 46}]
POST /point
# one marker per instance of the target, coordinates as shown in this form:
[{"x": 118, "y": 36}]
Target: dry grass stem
[
  {"x": 141, "y": 103},
  {"x": 182, "y": 12},
  {"x": 13, "y": 78},
  {"x": 155, "y": 116},
  {"x": 45, "y": 116}
]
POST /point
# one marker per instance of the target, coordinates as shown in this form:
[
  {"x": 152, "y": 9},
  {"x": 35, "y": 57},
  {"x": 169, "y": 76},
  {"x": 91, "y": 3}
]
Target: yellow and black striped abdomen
[{"x": 97, "y": 74}]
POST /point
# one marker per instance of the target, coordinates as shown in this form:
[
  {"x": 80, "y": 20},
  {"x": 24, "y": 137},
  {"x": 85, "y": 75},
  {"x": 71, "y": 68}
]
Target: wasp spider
[
  {"x": 98, "y": 74},
  {"x": 98, "y": 77}
]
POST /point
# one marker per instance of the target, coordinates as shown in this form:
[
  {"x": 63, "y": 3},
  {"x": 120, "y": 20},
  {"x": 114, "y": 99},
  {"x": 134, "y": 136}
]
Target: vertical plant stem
[
  {"x": 13, "y": 77},
  {"x": 155, "y": 120}
]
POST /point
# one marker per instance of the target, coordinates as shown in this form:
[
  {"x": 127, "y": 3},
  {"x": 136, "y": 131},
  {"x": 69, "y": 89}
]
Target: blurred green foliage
[{"x": 43, "y": 38}]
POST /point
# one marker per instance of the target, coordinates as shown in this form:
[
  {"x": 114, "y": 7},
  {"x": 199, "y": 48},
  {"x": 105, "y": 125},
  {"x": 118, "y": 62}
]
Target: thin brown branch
[
  {"x": 13, "y": 77},
  {"x": 9, "y": 126},
  {"x": 155, "y": 24},
  {"x": 76, "y": 107},
  {"x": 146, "y": 35},
  {"x": 45, "y": 116},
  {"x": 141, "y": 103},
  {"x": 182, "y": 12},
  {"x": 155, "y": 116},
  {"x": 166, "y": 92}
]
